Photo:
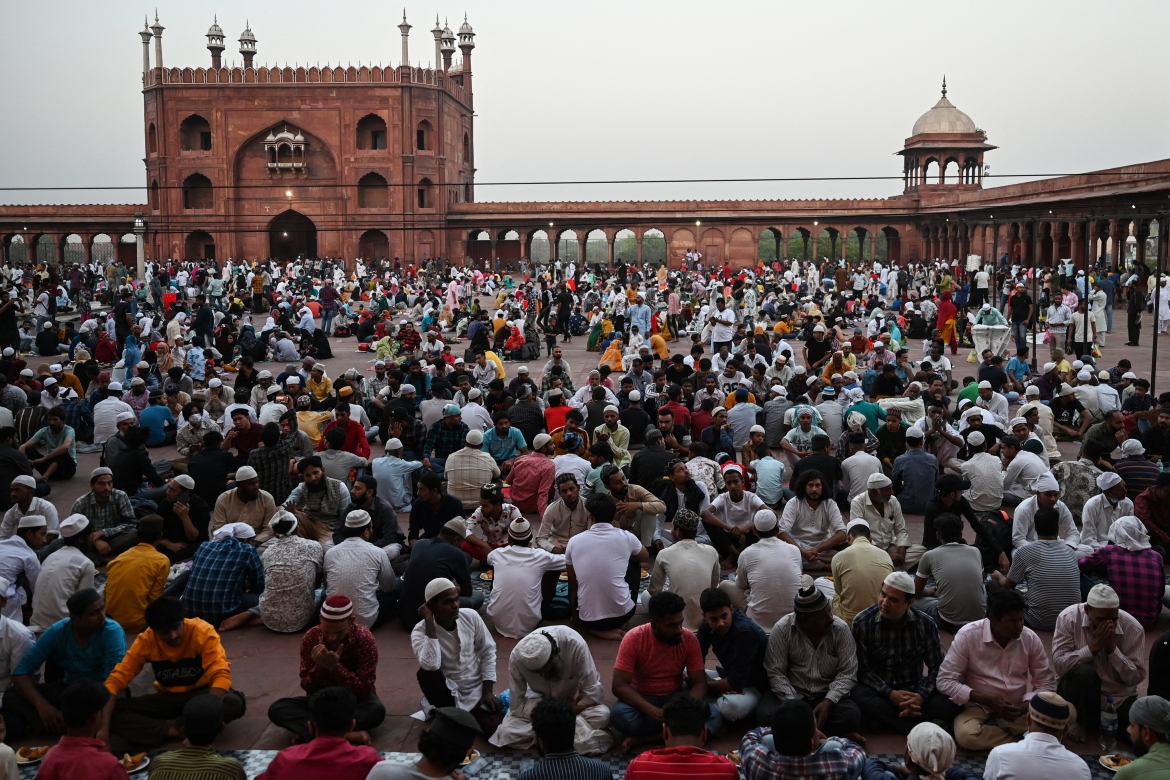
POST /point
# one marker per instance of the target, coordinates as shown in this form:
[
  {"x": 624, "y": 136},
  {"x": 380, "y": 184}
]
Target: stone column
[
  {"x": 582, "y": 241},
  {"x": 610, "y": 239},
  {"x": 638, "y": 243}
]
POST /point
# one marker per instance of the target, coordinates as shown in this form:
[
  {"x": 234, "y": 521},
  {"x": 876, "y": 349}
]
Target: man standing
[
  {"x": 894, "y": 642},
  {"x": 337, "y": 652}
]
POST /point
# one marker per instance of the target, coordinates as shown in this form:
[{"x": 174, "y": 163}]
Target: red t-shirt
[
  {"x": 554, "y": 416},
  {"x": 690, "y": 762},
  {"x": 658, "y": 668}
]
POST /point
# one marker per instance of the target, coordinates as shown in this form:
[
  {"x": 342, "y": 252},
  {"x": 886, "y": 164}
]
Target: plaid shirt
[
  {"x": 1138, "y": 578},
  {"x": 760, "y": 762},
  {"x": 271, "y": 464},
  {"x": 116, "y": 511},
  {"x": 442, "y": 439},
  {"x": 79, "y": 417},
  {"x": 219, "y": 572},
  {"x": 890, "y": 659}
]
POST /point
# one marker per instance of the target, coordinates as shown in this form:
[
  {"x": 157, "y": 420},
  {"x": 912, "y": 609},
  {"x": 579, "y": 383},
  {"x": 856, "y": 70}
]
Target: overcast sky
[{"x": 606, "y": 90}]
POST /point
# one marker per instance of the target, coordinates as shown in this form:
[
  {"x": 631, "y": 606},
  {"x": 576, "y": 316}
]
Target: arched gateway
[{"x": 292, "y": 234}]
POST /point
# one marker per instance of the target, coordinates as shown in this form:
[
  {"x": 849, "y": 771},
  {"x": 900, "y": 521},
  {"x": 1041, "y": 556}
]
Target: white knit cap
[{"x": 900, "y": 580}]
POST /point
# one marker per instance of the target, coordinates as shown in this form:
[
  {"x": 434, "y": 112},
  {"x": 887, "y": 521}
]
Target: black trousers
[
  {"x": 21, "y": 717},
  {"x": 843, "y": 718},
  {"x": 1135, "y": 331},
  {"x": 293, "y": 714},
  {"x": 1081, "y": 687},
  {"x": 881, "y": 714}
]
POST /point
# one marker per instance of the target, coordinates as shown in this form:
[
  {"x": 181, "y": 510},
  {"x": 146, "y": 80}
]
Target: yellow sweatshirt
[{"x": 198, "y": 662}]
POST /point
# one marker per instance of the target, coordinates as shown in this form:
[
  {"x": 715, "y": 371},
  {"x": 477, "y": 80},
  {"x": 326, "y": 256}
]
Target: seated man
[
  {"x": 988, "y": 671},
  {"x": 600, "y": 561},
  {"x": 739, "y": 645},
  {"x": 957, "y": 596},
  {"x": 887, "y": 527},
  {"x": 652, "y": 664},
  {"x": 1047, "y": 496},
  {"x": 858, "y": 573},
  {"x": 338, "y": 652},
  {"x": 65, "y": 572},
  {"x": 1149, "y": 730},
  {"x": 915, "y": 471},
  {"x": 503, "y": 442},
  {"x": 227, "y": 575},
  {"x": 1133, "y": 569},
  {"x": 1022, "y": 470},
  {"x": 362, "y": 572},
  {"x": 684, "y": 732},
  {"x": 202, "y": 723},
  {"x": 80, "y": 751},
  {"x": 812, "y": 522},
  {"x": 791, "y": 747},
  {"x": 1049, "y": 567},
  {"x": 469, "y": 469},
  {"x": 1040, "y": 755},
  {"x": 87, "y": 645},
  {"x": 767, "y": 576},
  {"x": 525, "y": 582},
  {"x": 431, "y": 559},
  {"x": 686, "y": 567},
  {"x": 466, "y": 681},
  {"x": 188, "y": 660},
  {"x": 333, "y": 749},
  {"x": 894, "y": 643},
  {"x": 443, "y": 746},
  {"x": 137, "y": 577},
  {"x": 1098, "y": 650},
  {"x": 554, "y": 724},
  {"x": 1102, "y": 511},
  {"x": 811, "y": 657},
  {"x": 554, "y": 664}
]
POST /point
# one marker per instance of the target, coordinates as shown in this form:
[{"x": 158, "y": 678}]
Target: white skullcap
[
  {"x": 185, "y": 481},
  {"x": 634, "y": 396},
  {"x": 798, "y": 370},
  {"x": 55, "y": 368},
  {"x": 1047, "y": 367},
  {"x": 235, "y": 530},
  {"x": 25, "y": 480},
  {"x": 985, "y": 385},
  {"x": 857, "y": 521},
  {"x": 73, "y": 525},
  {"x": 1032, "y": 390},
  {"x": 1046, "y": 483},
  {"x": 1077, "y": 365},
  {"x": 31, "y": 521},
  {"x": 1129, "y": 375},
  {"x": 612, "y": 408},
  {"x": 437, "y": 586},
  {"x": 50, "y": 381},
  {"x": 474, "y": 438},
  {"x": 1102, "y": 597},
  {"x": 115, "y": 387},
  {"x": 1017, "y": 421},
  {"x": 1084, "y": 375},
  {"x": 901, "y": 581},
  {"x": 976, "y": 438},
  {"x": 358, "y": 518},
  {"x": 987, "y": 307},
  {"x": 765, "y": 520},
  {"x": 215, "y": 382},
  {"x": 878, "y": 345},
  {"x": 283, "y": 515},
  {"x": 124, "y": 417},
  {"x": 245, "y": 473},
  {"x": 534, "y": 650},
  {"x": 1108, "y": 480},
  {"x": 393, "y": 444},
  {"x": 877, "y": 481}
]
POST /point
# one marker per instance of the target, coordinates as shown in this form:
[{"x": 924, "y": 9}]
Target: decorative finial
[
  {"x": 944, "y": 86},
  {"x": 156, "y": 14},
  {"x": 404, "y": 14},
  {"x": 215, "y": 18}
]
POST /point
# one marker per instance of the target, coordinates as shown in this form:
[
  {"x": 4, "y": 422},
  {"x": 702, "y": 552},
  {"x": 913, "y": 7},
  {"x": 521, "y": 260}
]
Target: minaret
[
  {"x": 157, "y": 29},
  {"x": 215, "y": 43},
  {"x": 448, "y": 48},
  {"x": 247, "y": 45},
  {"x": 404, "y": 28},
  {"x": 146, "y": 35},
  {"x": 438, "y": 33},
  {"x": 466, "y": 44}
]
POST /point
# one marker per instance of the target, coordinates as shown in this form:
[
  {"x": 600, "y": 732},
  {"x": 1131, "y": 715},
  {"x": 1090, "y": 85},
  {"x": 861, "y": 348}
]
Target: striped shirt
[
  {"x": 797, "y": 669},
  {"x": 568, "y": 766},
  {"x": 195, "y": 763},
  {"x": 1049, "y": 567}
]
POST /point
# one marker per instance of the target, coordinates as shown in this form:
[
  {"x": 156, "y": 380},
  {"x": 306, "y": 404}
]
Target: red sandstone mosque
[{"x": 253, "y": 161}]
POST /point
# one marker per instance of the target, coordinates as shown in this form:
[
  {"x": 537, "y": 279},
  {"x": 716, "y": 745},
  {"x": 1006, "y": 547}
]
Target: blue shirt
[
  {"x": 1018, "y": 368},
  {"x": 155, "y": 419},
  {"x": 915, "y": 472},
  {"x": 505, "y": 447},
  {"x": 95, "y": 661},
  {"x": 393, "y": 476},
  {"x": 219, "y": 572},
  {"x": 54, "y": 440},
  {"x": 769, "y": 479}
]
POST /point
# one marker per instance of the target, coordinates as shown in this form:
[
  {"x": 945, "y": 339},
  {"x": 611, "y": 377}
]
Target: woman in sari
[
  {"x": 596, "y": 332},
  {"x": 386, "y": 349},
  {"x": 613, "y": 355},
  {"x": 947, "y": 315}
]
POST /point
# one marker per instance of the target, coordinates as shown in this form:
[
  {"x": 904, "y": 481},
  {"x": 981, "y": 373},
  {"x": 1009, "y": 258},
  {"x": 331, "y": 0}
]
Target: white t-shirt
[
  {"x": 724, "y": 325},
  {"x": 981, "y": 280},
  {"x": 770, "y": 572},
  {"x": 516, "y": 596},
  {"x": 599, "y": 558},
  {"x": 739, "y": 514}
]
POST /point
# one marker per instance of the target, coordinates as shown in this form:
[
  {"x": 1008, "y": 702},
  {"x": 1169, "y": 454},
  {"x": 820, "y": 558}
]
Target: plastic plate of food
[
  {"x": 486, "y": 576},
  {"x": 734, "y": 756},
  {"x": 471, "y": 756},
  {"x": 1115, "y": 761},
  {"x": 27, "y": 756},
  {"x": 134, "y": 763},
  {"x": 564, "y": 576},
  {"x": 645, "y": 574}
]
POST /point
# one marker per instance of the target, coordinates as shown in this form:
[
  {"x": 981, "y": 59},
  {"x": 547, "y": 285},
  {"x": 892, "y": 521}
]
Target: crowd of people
[{"x": 741, "y": 497}]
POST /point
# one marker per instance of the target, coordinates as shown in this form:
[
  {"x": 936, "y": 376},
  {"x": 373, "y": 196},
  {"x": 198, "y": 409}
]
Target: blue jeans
[
  {"x": 1020, "y": 334},
  {"x": 632, "y": 723},
  {"x": 438, "y": 465},
  {"x": 327, "y": 319}
]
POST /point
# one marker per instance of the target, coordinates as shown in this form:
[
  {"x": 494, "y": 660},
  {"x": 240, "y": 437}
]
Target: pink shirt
[
  {"x": 81, "y": 758},
  {"x": 975, "y": 661}
]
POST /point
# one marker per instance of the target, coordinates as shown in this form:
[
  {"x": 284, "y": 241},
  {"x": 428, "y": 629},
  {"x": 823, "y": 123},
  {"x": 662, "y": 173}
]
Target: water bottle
[{"x": 1108, "y": 726}]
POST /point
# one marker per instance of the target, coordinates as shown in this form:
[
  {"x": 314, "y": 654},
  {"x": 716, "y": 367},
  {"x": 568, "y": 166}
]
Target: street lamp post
[{"x": 139, "y": 234}]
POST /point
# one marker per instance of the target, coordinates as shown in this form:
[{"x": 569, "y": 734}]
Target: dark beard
[
  {"x": 1139, "y": 748},
  {"x": 320, "y": 486}
]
